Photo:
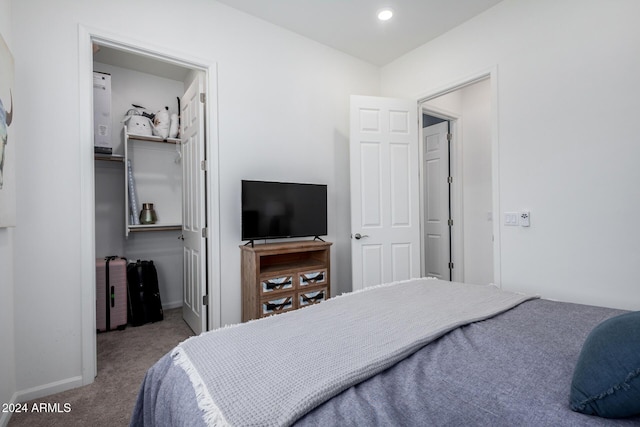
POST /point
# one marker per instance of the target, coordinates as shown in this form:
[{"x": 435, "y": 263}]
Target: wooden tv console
[{"x": 279, "y": 277}]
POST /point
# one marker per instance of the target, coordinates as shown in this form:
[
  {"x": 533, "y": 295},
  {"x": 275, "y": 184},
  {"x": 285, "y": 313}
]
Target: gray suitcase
[{"x": 111, "y": 293}]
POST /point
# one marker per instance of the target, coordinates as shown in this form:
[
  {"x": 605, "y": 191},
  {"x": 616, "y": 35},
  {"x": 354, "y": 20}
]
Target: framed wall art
[{"x": 7, "y": 140}]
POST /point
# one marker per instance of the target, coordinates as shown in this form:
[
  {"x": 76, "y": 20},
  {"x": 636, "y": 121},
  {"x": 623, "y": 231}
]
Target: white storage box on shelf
[{"x": 102, "y": 113}]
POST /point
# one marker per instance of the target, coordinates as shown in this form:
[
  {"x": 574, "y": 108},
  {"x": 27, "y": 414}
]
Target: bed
[{"x": 414, "y": 353}]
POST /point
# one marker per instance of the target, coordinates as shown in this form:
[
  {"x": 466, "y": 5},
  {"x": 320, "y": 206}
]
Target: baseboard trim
[
  {"x": 6, "y": 416},
  {"x": 48, "y": 389},
  {"x": 172, "y": 304},
  {"x": 40, "y": 391}
]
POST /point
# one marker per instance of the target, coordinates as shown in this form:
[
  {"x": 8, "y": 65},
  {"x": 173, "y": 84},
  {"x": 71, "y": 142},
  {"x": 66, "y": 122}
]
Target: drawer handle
[
  {"x": 273, "y": 286},
  {"x": 315, "y": 279},
  {"x": 277, "y": 307},
  {"x": 313, "y": 299}
]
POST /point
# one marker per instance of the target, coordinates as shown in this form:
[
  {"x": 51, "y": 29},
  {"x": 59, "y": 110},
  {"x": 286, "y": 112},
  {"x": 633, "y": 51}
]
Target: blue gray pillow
[{"x": 606, "y": 379}]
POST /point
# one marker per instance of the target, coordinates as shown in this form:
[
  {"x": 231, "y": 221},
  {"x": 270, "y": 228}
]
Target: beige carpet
[{"x": 123, "y": 359}]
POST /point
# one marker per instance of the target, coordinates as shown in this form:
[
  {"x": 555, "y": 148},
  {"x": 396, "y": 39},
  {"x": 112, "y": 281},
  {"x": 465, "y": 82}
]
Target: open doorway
[
  {"x": 157, "y": 167},
  {"x": 197, "y": 70},
  {"x": 141, "y": 162},
  {"x": 457, "y": 170}
]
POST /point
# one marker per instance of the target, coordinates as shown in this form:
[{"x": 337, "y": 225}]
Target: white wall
[
  {"x": 567, "y": 78},
  {"x": 283, "y": 114},
  {"x": 7, "y": 355}
]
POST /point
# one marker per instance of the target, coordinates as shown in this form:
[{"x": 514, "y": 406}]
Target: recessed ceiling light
[{"x": 385, "y": 14}]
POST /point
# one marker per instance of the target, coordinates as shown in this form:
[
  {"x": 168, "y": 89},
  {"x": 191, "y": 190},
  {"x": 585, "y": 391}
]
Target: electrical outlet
[{"x": 525, "y": 218}]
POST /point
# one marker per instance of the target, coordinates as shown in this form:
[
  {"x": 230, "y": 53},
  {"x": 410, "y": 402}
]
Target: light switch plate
[{"x": 511, "y": 218}]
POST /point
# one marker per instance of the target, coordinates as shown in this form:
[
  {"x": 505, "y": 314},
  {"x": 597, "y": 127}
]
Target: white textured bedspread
[{"x": 272, "y": 371}]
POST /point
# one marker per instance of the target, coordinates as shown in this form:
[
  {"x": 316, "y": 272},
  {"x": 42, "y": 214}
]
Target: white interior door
[
  {"x": 192, "y": 136},
  {"x": 384, "y": 161},
  {"x": 436, "y": 210}
]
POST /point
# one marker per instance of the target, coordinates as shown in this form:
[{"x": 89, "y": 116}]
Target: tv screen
[{"x": 273, "y": 210}]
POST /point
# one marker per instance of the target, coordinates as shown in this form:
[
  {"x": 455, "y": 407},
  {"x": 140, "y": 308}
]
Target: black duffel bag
[{"x": 144, "y": 295}]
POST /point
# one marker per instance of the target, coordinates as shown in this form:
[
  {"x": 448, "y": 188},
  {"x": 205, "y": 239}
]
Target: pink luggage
[{"x": 111, "y": 293}]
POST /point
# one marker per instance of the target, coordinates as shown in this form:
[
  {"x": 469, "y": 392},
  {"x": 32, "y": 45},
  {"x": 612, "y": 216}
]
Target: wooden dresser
[{"x": 279, "y": 277}]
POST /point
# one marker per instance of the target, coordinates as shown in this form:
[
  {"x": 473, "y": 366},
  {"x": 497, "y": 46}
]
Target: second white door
[{"x": 437, "y": 240}]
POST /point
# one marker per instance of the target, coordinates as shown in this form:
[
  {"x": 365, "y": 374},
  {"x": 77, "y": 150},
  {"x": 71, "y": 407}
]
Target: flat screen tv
[{"x": 272, "y": 210}]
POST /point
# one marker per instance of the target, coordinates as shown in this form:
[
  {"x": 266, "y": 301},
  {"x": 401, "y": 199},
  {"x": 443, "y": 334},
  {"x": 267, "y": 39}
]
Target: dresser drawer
[
  {"x": 312, "y": 296},
  {"x": 273, "y": 284},
  {"x": 313, "y": 277},
  {"x": 276, "y": 305}
]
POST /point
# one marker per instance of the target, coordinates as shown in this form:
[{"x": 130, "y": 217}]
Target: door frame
[
  {"x": 457, "y": 232},
  {"x": 86, "y": 37},
  {"x": 491, "y": 74}
]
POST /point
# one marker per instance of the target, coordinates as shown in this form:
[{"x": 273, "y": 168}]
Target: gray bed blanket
[
  {"x": 272, "y": 371},
  {"x": 514, "y": 369}
]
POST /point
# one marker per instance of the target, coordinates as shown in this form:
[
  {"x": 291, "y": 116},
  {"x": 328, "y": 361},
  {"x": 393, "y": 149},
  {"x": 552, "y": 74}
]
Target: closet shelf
[
  {"x": 153, "y": 139},
  {"x": 109, "y": 158},
  {"x": 153, "y": 162},
  {"x": 154, "y": 227}
]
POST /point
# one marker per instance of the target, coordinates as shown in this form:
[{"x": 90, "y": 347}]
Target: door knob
[{"x": 359, "y": 236}]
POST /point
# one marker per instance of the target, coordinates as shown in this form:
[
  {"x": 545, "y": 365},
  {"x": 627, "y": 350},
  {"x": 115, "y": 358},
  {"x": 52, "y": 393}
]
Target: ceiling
[{"x": 352, "y": 27}]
